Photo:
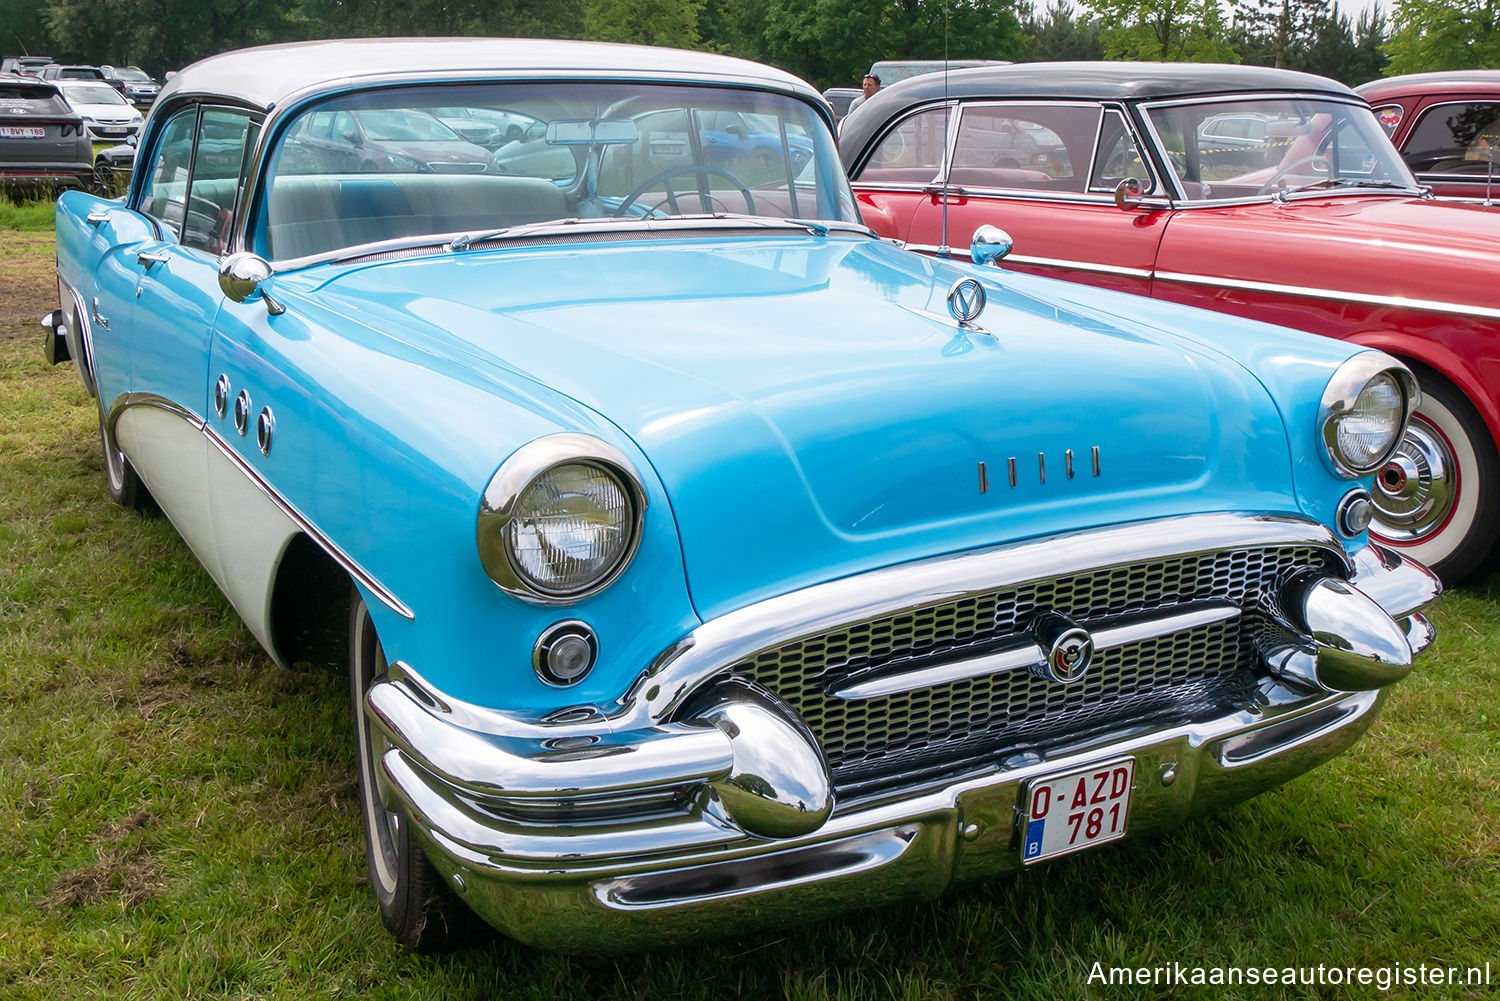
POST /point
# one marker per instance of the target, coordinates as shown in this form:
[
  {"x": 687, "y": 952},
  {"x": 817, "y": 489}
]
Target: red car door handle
[{"x": 953, "y": 195}]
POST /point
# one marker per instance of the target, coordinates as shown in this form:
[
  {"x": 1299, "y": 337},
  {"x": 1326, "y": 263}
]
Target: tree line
[{"x": 830, "y": 42}]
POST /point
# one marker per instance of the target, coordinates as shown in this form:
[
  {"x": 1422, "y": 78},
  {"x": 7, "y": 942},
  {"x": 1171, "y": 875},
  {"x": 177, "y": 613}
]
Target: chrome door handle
[
  {"x": 97, "y": 316},
  {"x": 95, "y": 217},
  {"x": 150, "y": 257}
]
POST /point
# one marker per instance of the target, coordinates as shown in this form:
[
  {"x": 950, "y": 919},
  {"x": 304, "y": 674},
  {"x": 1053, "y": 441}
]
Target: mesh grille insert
[{"x": 885, "y": 742}]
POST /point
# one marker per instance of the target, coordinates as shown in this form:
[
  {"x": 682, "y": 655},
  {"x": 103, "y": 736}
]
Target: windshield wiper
[
  {"x": 1340, "y": 182},
  {"x": 466, "y": 240}
]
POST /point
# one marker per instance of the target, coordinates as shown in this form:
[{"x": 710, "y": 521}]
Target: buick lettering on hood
[{"x": 699, "y": 560}]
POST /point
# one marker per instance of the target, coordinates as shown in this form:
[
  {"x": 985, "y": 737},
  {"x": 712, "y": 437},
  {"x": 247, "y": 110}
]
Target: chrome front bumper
[{"x": 582, "y": 834}]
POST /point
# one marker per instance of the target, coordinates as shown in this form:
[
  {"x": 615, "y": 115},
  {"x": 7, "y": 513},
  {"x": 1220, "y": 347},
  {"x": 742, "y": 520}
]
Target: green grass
[
  {"x": 28, "y": 215},
  {"x": 179, "y": 814}
]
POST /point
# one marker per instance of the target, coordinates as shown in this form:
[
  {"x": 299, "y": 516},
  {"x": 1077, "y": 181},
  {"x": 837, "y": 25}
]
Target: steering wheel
[
  {"x": 1317, "y": 161},
  {"x": 671, "y": 199}
]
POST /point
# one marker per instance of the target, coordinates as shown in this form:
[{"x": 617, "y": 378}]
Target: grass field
[{"x": 180, "y": 822}]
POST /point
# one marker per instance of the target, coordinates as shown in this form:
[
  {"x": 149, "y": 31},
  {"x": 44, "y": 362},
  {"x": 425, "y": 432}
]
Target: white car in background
[{"x": 106, "y": 115}]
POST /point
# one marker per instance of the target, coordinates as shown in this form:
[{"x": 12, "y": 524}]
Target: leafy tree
[
  {"x": 734, "y": 26},
  {"x": 648, "y": 22},
  {"x": 1443, "y": 35},
  {"x": 1369, "y": 48},
  {"x": 1284, "y": 28},
  {"x": 1167, "y": 30},
  {"x": 835, "y": 41},
  {"x": 1061, "y": 33}
]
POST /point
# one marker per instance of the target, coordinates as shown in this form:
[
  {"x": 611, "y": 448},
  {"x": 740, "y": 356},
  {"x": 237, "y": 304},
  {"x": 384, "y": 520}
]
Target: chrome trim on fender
[
  {"x": 1340, "y": 395},
  {"x": 522, "y": 468},
  {"x": 343, "y": 559},
  {"x": 1103, "y": 269},
  {"x": 130, "y": 400},
  {"x": 1306, "y": 292}
]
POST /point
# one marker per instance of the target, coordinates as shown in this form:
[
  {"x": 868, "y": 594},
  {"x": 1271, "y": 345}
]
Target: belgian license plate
[
  {"x": 1076, "y": 809},
  {"x": 23, "y": 132}
]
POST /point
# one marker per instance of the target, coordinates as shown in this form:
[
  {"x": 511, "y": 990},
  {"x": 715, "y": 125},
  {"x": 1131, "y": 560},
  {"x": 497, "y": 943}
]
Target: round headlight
[
  {"x": 561, "y": 519},
  {"x": 569, "y": 528},
  {"x": 1365, "y": 409}
]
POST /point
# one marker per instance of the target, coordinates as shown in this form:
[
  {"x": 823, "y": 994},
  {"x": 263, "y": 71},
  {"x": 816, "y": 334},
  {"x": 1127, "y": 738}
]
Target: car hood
[
  {"x": 1364, "y": 244},
  {"x": 811, "y": 410}
]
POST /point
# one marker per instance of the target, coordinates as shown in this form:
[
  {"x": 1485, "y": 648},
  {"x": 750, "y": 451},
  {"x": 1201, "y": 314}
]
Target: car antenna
[{"x": 943, "y": 249}]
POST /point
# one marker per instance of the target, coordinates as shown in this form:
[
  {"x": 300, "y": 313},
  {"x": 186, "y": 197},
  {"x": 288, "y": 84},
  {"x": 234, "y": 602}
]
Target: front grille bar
[{"x": 1026, "y": 656}]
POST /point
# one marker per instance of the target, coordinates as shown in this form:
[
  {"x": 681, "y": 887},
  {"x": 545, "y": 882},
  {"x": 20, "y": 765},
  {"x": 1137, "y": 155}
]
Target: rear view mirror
[
  {"x": 1128, "y": 193},
  {"x": 605, "y": 132}
]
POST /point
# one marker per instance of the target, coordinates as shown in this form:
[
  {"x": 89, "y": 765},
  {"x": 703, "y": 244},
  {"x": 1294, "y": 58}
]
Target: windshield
[
  {"x": 1269, "y": 146},
  {"x": 93, "y": 93},
  {"x": 625, "y": 152}
]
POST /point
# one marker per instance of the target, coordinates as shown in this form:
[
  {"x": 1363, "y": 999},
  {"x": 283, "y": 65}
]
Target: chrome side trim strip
[
  {"x": 340, "y": 557},
  {"x": 1104, "y": 269},
  {"x": 1031, "y": 655},
  {"x": 324, "y": 543},
  {"x": 1394, "y": 301}
]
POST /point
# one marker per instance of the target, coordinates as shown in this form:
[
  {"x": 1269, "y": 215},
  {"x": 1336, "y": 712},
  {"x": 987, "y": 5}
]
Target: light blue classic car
[{"x": 700, "y": 561}]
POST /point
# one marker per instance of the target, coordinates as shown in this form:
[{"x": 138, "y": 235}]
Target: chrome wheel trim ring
[
  {"x": 1417, "y": 490},
  {"x": 383, "y": 823}
]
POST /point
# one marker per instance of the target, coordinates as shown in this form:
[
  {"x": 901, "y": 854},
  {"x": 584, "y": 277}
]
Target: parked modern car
[
  {"x": 701, "y": 561},
  {"x": 1447, "y": 127},
  {"x": 106, "y": 115},
  {"x": 380, "y": 140},
  {"x": 891, "y": 71},
  {"x": 839, "y": 98},
  {"x": 134, "y": 83},
  {"x": 1319, "y": 225},
  {"x": 112, "y": 167},
  {"x": 42, "y": 140},
  {"x": 57, "y": 71},
  {"x": 24, "y": 65}
]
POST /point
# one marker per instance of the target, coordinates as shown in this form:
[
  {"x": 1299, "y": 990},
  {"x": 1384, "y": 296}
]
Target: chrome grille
[{"x": 889, "y": 741}]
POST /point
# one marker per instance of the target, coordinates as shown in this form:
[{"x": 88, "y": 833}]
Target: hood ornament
[{"x": 966, "y": 299}]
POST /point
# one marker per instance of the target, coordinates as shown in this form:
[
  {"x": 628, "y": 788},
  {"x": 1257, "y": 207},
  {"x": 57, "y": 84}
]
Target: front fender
[{"x": 385, "y": 448}]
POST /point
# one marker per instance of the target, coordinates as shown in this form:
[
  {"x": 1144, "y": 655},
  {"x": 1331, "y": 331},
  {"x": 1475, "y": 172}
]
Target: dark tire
[
  {"x": 125, "y": 487},
  {"x": 415, "y": 904},
  {"x": 1438, "y": 499}
]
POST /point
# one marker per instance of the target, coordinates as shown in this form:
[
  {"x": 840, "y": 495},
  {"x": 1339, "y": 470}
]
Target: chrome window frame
[
  {"x": 956, "y": 129},
  {"x": 1181, "y": 201},
  {"x": 1158, "y": 188},
  {"x": 892, "y": 126},
  {"x": 1422, "y": 117}
]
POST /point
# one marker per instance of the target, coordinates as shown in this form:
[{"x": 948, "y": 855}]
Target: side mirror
[
  {"x": 241, "y": 276},
  {"x": 989, "y": 244},
  {"x": 1129, "y": 193}
]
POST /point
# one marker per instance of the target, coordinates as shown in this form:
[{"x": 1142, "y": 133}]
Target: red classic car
[
  {"x": 1261, "y": 192},
  {"x": 1447, "y": 127}
]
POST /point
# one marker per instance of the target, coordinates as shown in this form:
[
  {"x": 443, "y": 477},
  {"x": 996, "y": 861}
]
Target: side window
[
  {"x": 218, "y": 169},
  {"x": 1454, "y": 139},
  {"x": 912, "y": 152},
  {"x": 1023, "y": 146},
  {"x": 1118, "y": 156},
  {"x": 165, "y": 194}
]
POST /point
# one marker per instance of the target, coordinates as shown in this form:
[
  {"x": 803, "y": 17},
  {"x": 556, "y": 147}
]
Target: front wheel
[
  {"x": 415, "y": 904},
  {"x": 1438, "y": 499},
  {"x": 125, "y": 487}
]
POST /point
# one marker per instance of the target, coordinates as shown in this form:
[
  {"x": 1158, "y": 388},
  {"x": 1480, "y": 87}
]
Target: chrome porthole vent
[
  {"x": 242, "y": 412},
  {"x": 265, "y": 428},
  {"x": 221, "y": 395}
]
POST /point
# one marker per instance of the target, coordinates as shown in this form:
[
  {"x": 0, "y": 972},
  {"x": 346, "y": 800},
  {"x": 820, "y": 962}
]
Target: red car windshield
[{"x": 1268, "y": 146}]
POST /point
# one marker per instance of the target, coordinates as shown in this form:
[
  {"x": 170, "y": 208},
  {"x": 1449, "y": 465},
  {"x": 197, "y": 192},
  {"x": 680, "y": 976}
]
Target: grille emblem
[
  {"x": 966, "y": 300},
  {"x": 1069, "y": 648}
]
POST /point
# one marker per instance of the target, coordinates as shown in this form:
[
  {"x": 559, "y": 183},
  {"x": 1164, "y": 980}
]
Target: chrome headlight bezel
[
  {"x": 525, "y": 466},
  {"x": 1339, "y": 398}
]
